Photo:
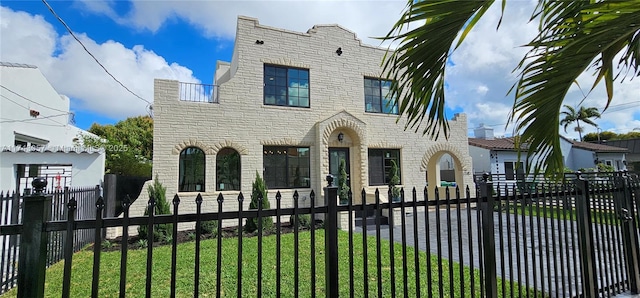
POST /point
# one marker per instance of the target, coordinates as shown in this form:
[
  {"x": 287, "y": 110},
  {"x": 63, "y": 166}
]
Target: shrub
[
  {"x": 343, "y": 187},
  {"x": 395, "y": 180},
  {"x": 209, "y": 227},
  {"x": 160, "y": 231},
  {"x": 258, "y": 189},
  {"x": 303, "y": 220}
]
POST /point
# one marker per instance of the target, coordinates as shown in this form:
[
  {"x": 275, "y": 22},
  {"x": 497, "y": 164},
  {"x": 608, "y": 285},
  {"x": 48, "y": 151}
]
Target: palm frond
[
  {"x": 417, "y": 66},
  {"x": 572, "y": 35}
]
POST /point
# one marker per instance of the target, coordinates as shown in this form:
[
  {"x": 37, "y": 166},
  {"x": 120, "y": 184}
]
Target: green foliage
[
  {"x": 128, "y": 144},
  {"x": 142, "y": 243},
  {"x": 394, "y": 181},
  {"x": 259, "y": 189},
  {"x": 343, "y": 187},
  {"x": 611, "y": 136},
  {"x": 574, "y": 36},
  {"x": 302, "y": 220},
  {"x": 160, "y": 231},
  {"x": 209, "y": 227},
  {"x": 605, "y": 168},
  {"x": 106, "y": 244}
]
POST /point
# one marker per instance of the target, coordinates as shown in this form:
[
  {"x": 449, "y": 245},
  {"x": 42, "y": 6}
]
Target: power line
[
  {"x": 90, "y": 54},
  {"x": 21, "y": 96},
  {"x": 32, "y": 119}
]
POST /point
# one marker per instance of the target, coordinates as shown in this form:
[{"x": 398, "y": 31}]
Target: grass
[
  {"x": 136, "y": 270},
  {"x": 554, "y": 212}
]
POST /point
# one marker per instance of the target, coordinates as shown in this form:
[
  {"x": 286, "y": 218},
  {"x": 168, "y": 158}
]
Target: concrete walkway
[{"x": 536, "y": 252}]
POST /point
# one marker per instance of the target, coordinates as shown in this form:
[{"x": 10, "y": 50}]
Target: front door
[{"x": 335, "y": 155}]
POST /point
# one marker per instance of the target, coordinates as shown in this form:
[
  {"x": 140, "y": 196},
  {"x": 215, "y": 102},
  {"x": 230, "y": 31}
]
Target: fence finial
[
  {"x": 485, "y": 176},
  {"x": 39, "y": 184}
]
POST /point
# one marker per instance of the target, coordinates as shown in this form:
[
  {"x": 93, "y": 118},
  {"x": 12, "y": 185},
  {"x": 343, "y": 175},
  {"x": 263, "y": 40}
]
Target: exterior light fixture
[
  {"x": 340, "y": 137},
  {"x": 339, "y": 51}
]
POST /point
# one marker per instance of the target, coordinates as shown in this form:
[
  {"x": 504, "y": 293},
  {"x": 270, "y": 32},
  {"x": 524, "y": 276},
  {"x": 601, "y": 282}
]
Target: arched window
[
  {"x": 191, "y": 170},
  {"x": 227, "y": 169}
]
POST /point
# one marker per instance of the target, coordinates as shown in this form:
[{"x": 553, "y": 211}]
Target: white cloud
[
  {"x": 29, "y": 39},
  {"x": 218, "y": 18}
]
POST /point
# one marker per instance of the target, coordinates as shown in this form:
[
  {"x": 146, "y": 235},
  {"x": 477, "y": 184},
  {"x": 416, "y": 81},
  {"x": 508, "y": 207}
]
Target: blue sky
[{"x": 138, "y": 41}]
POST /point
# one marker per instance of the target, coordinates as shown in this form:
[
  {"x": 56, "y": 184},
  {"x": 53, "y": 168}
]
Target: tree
[
  {"x": 128, "y": 144},
  {"x": 573, "y": 36},
  {"x": 259, "y": 196},
  {"x": 611, "y": 136},
  {"x": 343, "y": 187},
  {"x": 161, "y": 232},
  {"x": 582, "y": 114}
]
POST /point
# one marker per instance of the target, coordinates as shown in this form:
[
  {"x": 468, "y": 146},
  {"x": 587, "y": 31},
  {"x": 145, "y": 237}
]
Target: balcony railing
[{"x": 198, "y": 92}]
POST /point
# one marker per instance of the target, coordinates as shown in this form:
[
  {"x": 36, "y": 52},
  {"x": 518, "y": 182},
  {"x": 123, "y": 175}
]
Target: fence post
[
  {"x": 110, "y": 184},
  {"x": 488, "y": 237},
  {"x": 331, "y": 239},
  {"x": 585, "y": 240},
  {"x": 624, "y": 209},
  {"x": 33, "y": 242}
]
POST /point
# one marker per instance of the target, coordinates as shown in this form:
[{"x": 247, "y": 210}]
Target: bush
[
  {"x": 258, "y": 189},
  {"x": 160, "y": 231},
  {"x": 343, "y": 187},
  {"x": 303, "y": 220},
  {"x": 395, "y": 180},
  {"x": 209, "y": 227}
]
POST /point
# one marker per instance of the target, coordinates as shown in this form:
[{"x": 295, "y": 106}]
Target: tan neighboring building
[{"x": 289, "y": 106}]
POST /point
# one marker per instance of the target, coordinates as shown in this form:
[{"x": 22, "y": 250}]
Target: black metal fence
[
  {"x": 579, "y": 238},
  {"x": 198, "y": 92},
  {"x": 11, "y": 207}
]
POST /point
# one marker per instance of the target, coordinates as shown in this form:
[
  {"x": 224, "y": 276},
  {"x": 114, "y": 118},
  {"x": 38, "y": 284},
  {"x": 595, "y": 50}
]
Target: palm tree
[
  {"x": 583, "y": 114},
  {"x": 572, "y": 35}
]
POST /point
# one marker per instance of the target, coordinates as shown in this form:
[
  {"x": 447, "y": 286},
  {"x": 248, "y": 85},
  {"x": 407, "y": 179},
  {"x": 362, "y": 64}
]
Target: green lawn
[
  {"x": 136, "y": 274},
  {"x": 555, "y": 212}
]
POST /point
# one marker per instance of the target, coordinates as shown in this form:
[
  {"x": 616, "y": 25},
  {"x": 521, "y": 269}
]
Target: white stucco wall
[
  {"x": 241, "y": 121},
  {"x": 25, "y": 89},
  {"x": 481, "y": 159}
]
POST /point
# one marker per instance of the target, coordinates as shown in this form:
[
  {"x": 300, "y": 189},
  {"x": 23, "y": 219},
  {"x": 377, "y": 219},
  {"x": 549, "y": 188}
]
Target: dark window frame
[
  {"x": 228, "y": 151},
  {"x": 199, "y": 179},
  {"x": 278, "y": 71},
  {"x": 271, "y": 176},
  {"x": 384, "y": 165},
  {"x": 376, "y": 84}
]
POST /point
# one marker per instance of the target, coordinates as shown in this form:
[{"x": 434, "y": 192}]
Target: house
[
  {"x": 502, "y": 157},
  {"x": 36, "y": 137},
  {"x": 585, "y": 155},
  {"x": 632, "y": 156},
  {"x": 289, "y": 106}
]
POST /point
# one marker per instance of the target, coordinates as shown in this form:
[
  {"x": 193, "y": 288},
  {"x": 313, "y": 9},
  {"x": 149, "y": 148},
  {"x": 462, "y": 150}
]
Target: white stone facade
[{"x": 240, "y": 119}]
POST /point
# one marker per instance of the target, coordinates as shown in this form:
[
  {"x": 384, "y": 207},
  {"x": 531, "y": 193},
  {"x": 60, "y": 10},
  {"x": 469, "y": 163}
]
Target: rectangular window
[
  {"x": 510, "y": 169},
  {"x": 286, "y": 167},
  {"x": 380, "y": 165},
  {"x": 377, "y": 97},
  {"x": 286, "y": 86}
]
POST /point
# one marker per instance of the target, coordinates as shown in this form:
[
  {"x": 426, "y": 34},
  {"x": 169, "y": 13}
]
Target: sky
[{"x": 139, "y": 40}]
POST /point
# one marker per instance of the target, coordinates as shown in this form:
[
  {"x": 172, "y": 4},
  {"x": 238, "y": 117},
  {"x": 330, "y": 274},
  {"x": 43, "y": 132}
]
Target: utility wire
[
  {"x": 21, "y": 96},
  {"x": 90, "y": 54},
  {"x": 28, "y": 109},
  {"x": 33, "y": 119}
]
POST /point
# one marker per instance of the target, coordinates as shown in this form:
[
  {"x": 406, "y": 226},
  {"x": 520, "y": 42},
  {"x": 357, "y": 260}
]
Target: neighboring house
[
  {"x": 632, "y": 156},
  {"x": 584, "y": 155},
  {"x": 36, "y": 139},
  {"x": 497, "y": 156},
  {"x": 501, "y": 157},
  {"x": 289, "y": 106}
]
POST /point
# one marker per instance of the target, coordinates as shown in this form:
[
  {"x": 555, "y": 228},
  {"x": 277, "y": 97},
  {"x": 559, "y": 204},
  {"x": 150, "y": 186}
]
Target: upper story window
[
  {"x": 191, "y": 170},
  {"x": 286, "y": 86},
  {"x": 377, "y": 97}
]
